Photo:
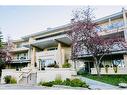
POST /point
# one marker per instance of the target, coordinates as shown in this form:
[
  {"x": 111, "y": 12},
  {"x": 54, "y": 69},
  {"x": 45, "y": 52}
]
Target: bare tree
[{"x": 84, "y": 36}]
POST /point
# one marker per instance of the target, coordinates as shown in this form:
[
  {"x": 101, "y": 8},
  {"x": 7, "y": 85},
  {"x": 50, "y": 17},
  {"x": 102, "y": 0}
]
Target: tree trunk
[
  {"x": 97, "y": 64},
  {"x": 98, "y": 69},
  {"x": 75, "y": 67}
]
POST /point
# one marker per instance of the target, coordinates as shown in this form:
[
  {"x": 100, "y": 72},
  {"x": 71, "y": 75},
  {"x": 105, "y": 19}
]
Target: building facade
[{"x": 54, "y": 46}]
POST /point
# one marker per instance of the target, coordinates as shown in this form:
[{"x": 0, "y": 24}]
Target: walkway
[
  {"x": 93, "y": 84},
  {"x": 35, "y": 87}
]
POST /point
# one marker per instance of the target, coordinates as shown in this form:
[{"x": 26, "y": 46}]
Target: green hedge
[{"x": 10, "y": 80}]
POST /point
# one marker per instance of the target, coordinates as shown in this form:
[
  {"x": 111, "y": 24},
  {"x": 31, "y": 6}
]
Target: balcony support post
[
  {"x": 33, "y": 57},
  {"x": 125, "y": 60},
  {"x": 125, "y": 23},
  {"x": 59, "y": 55}
]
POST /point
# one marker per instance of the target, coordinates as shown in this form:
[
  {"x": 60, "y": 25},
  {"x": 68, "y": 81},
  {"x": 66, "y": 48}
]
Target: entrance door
[
  {"x": 43, "y": 65},
  {"x": 88, "y": 66}
]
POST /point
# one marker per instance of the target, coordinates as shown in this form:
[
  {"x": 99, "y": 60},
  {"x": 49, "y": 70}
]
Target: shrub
[
  {"x": 10, "y": 80},
  {"x": 58, "y": 80},
  {"x": 48, "y": 84},
  {"x": 66, "y": 65},
  {"x": 7, "y": 79},
  {"x": 75, "y": 83},
  {"x": 82, "y": 72},
  {"x": 13, "y": 81},
  {"x": 78, "y": 83},
  {"x": 67, "y": 82}
]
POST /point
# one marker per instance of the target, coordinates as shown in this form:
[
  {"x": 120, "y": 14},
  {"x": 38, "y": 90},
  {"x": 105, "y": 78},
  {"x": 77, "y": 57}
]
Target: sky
[{"x": 19, "y": 21}]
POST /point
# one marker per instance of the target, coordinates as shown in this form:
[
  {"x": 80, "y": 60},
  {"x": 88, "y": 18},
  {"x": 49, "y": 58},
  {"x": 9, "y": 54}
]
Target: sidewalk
[
  {"x": 35, "y": 87},
  {"x": 93, "y": 84}
]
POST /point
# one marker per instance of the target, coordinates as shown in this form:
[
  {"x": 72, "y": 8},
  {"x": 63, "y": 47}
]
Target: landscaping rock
[{"x": 123, "y": 85}]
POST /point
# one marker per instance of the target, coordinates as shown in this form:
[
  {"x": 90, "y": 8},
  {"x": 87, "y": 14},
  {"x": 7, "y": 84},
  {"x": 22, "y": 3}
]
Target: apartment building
[{"x": 43, "y": 48}]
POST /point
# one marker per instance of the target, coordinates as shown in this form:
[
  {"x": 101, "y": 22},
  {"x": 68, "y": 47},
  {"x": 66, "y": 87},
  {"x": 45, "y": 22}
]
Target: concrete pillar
[
  {"x": 125, "y": 23},
  {"x": 109, "y": 22},
  {"x": 125, "y": 60},
  {"x": 63, "y": 56},
  {"x": 40, "y": 61},
  {"x": 59, "y": 54},
  {"x": 33, "y": 57},
  {"x": 31, "y": 52},
  {"x": 45, "y": 49}
]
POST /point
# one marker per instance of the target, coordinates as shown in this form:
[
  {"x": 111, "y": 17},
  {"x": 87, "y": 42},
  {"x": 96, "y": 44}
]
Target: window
[
  {"x": 19, "y": 45},
  {"x": 114, "y": 25},
  {"x": 17, "y": 56},
  {"x": 119, "y": 63},
  {"x": 24, "y": 55},
  {"x": 51, "y": 49},
  {"x": 49, "y": 61}
]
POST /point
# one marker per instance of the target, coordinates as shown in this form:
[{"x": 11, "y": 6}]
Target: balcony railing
[
  {"x": 18, "y": 60},
  {"x": 47, "y": 53}
]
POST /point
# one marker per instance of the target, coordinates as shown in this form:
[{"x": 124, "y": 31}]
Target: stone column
[
  {"x": 63, "y": 56},
  {"x": 109, "y": 21},
  {"x": 33, "y": 57},
  {"x": 31, "y": 52},
  {"x": 59, "y": 54}
]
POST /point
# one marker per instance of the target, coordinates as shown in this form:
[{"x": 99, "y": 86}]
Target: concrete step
[{"x": 31, "y": 79}]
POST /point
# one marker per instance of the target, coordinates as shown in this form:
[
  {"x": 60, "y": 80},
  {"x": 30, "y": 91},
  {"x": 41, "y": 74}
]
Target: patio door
[
  {"x": 88, "y": 66},
  {"x": 41, "y": 64}
]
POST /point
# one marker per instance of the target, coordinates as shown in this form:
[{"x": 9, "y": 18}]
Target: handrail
[{"x": 20, "y": 77}]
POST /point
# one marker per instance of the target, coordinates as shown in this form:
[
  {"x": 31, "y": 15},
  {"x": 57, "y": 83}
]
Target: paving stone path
[{"x": 93, "y": 84}]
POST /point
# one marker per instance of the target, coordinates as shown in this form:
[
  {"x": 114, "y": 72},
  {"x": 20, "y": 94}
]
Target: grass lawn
[{"x": 110, "y": 79}]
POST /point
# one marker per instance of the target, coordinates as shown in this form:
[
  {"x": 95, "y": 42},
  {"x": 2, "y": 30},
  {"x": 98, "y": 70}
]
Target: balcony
[
  {"x": 21, "y": 49},
  {"x": 107, "y": 32},
  {"x": 52, "y": 41},
  {"x": 47, "y": 54},
  {"x": 18, "y": 60}
]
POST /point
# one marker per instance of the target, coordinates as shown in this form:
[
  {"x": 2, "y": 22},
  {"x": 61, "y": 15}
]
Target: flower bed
[{"x": 67, "y": 82}]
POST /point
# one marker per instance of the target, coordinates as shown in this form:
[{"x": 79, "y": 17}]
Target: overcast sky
[{"x": 18, "y": 21}]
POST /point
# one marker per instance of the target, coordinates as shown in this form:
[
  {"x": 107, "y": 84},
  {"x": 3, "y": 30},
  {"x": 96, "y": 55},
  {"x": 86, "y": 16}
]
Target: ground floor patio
[{"x": 111, "y": 64}]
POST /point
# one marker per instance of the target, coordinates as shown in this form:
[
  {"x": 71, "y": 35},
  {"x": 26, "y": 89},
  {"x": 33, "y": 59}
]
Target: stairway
[
  {"x": 29, "y": 76},
  {"x": 30, "y": 79}
]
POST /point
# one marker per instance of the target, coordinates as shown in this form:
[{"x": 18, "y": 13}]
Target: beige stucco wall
[
  {"x": 110, "y": 71},
  {"x": 51, "y": 73},
  {"x": 67, "y": 52},
  {"x": 12, "y": 72}
]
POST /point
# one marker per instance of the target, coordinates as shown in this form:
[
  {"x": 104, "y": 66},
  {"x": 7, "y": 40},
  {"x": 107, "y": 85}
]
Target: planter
[
  {"x": 115, "y": 69},
  {"x": 106, "y": 68}
]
